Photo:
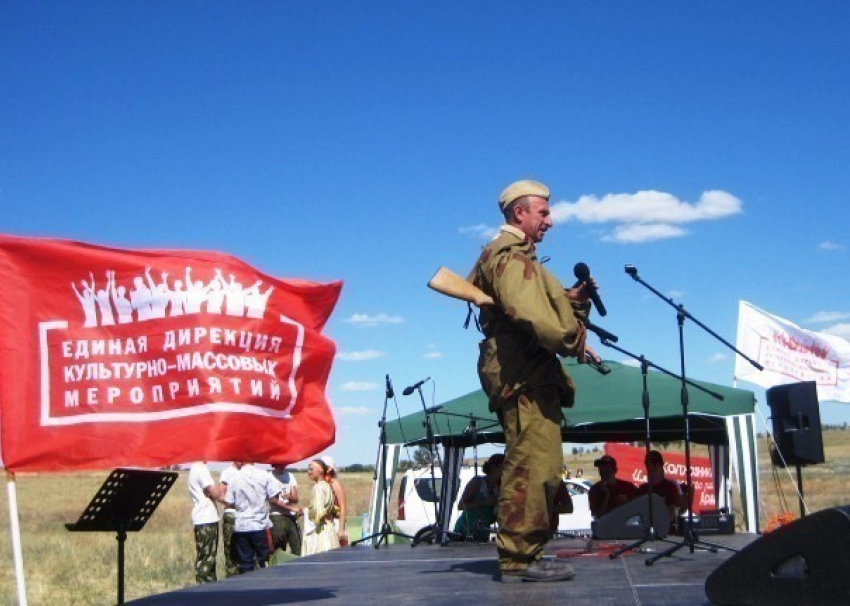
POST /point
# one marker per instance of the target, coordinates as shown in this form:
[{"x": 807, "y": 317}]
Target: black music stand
[{"x": 124, "y": 503}]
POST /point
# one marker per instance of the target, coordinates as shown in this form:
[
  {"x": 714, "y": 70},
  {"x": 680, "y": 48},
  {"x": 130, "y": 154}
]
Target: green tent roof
[{"x": 608, "y": 409}]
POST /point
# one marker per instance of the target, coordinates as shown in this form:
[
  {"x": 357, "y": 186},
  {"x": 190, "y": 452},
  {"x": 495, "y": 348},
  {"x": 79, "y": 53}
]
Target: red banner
[
  {"x": 147, "y": 358},
  {"x": 630, "y": 467}
]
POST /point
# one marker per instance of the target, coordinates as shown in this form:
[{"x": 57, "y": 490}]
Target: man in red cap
[
  {"x": 610, "y": 491},
  {"x": 667, "y": 489}
]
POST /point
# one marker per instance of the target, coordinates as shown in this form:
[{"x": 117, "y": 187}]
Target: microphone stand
[
  {"x": 436, "y": 530},
  {"x": 689, "y": 536},
  {"x": 651, "y": 534},
  {"x": 386, "y": 530}
]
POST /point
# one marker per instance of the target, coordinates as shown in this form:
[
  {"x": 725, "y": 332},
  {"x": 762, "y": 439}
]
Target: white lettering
[
  {"x": 82, "y": 350},
  {"x": 193, "y": 387},
  {"x": 137, "y": 396},
  {"x": 170, "y": 341},
  {"x": 256, "y": 388}
]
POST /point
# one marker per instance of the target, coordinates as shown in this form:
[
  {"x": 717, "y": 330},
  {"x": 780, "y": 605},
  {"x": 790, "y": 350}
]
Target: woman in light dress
[
  {"x": 319, "y": 532},
  {"x": 339, "y": 500}
]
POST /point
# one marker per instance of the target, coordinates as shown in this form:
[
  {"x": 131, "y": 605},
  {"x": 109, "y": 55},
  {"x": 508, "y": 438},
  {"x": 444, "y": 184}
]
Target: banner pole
[{"x": 15, "y": 531}]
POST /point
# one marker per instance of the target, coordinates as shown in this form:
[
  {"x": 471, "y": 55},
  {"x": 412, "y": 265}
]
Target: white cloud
[
  {"x": 827, "y": 245},
  {"x": 839, "y": 330},
  {"x": 825, "y": 317},
  {"x": 370, "y": 321},
  {"x": 359, "y": 356},
  {"x": 480, "y": 231},
  {"x": 675, "y": 294},
  {"x": 647, "y": 207},
  {"x": 353, "y": 410},
  {"x": 637, "y": 233},
  {"x": 432, "y": 355},
  {"x": 630, "y": 362},
  {"x": 646, "y": 215},
  {"x": 718, "y": 357},
  {"x": 359, "y": 386}
]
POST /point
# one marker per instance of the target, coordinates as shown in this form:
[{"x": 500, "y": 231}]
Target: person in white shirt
[
  {"x": 204, "y": 493},
  {"x": 228, "y": 518},
  {"x": 249, "y": 493},
  {"x": 285, "y": 519}
]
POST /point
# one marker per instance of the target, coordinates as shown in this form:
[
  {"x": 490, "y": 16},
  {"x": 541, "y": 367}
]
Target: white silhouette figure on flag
[{"x": 151, "y": 300}]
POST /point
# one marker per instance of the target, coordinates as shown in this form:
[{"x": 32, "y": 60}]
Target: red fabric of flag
[{"x": 148, "y": 358}]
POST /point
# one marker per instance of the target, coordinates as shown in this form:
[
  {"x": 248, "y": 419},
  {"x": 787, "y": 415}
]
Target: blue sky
[{"x": 704, "y": 143}]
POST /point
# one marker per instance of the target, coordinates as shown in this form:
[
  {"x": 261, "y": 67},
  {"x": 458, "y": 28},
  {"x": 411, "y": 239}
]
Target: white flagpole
[{"x": 15, "y": 531}]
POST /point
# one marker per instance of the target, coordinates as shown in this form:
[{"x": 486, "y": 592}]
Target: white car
[{"x": 417, "y": 501}]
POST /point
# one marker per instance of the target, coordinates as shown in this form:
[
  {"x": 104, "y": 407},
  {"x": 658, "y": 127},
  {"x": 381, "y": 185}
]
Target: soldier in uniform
[
  {"x": 534, "y": 320},
  {"x": 204, "y": 494}
]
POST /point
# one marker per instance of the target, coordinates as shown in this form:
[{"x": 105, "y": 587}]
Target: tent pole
[{"x": 15, "y": 531}]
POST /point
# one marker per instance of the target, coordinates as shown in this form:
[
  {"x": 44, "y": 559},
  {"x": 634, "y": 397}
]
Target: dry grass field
[{"x": 81, "y": 569}]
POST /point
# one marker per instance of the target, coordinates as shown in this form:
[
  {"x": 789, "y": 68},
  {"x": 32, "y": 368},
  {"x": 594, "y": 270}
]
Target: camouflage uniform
[
  {"x": 285, "y": 532},
  {"x": 206, "y": 544},
  {"x": 231, "y": 560},
  {"x": 532, "y": 323}
]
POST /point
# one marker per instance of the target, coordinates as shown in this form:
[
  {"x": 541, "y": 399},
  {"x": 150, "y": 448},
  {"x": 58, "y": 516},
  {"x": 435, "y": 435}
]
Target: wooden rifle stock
[{"x": 449, "y": 283}]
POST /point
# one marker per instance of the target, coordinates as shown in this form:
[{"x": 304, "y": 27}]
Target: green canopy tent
[{"x": 609, "y": 408}]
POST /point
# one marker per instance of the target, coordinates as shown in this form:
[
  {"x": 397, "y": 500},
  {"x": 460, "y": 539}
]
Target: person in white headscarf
[
  {"x": 339, "y": 501},
  {"x": 319, "y": 532}
]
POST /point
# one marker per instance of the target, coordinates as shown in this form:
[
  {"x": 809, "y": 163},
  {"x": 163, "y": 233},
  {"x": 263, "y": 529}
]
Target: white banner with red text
[{"x": 791, "y": 354}]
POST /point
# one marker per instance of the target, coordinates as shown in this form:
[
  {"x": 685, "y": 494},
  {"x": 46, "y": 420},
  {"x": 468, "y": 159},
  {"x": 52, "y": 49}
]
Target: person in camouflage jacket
[{"x": 534, "y": 320}]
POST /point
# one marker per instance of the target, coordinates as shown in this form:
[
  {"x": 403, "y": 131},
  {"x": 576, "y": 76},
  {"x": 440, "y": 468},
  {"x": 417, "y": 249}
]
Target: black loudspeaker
[
  {"x": 804, "y": 562},
  {"x": 631, "y": 520},
  {"x": 796, "y": 422}
]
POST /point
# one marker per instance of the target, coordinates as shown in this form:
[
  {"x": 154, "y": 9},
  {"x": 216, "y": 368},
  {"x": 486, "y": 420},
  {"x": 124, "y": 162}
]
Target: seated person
[
  {"x": 479, "y": 500},
  {"x": 609, "y": 492},
  {"x": 563, "y": 504},
  {"x": 664, "y": 488}
]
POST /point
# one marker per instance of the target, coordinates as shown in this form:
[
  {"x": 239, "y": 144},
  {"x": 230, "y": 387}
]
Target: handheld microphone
[
  {"x": 597, "y": 366},
  {"x": 409, "y": 390},
  {"x": 390, "y": 392},
  {"x": 582, "y": 272}
]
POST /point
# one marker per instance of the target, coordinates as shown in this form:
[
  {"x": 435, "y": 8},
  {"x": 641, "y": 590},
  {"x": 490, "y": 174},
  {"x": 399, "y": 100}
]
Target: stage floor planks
[{"x": 463, "y": 573}]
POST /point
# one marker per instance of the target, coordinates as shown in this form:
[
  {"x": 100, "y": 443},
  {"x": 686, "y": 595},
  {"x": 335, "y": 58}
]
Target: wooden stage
[{"x": 465, "y": 573}]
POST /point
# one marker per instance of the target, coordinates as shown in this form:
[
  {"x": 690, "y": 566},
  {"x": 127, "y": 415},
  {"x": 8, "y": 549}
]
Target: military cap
[{"x": 522, "y": 188}]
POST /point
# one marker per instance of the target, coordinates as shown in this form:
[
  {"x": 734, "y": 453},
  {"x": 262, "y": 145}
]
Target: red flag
[{"x": 147, "y": 358}]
